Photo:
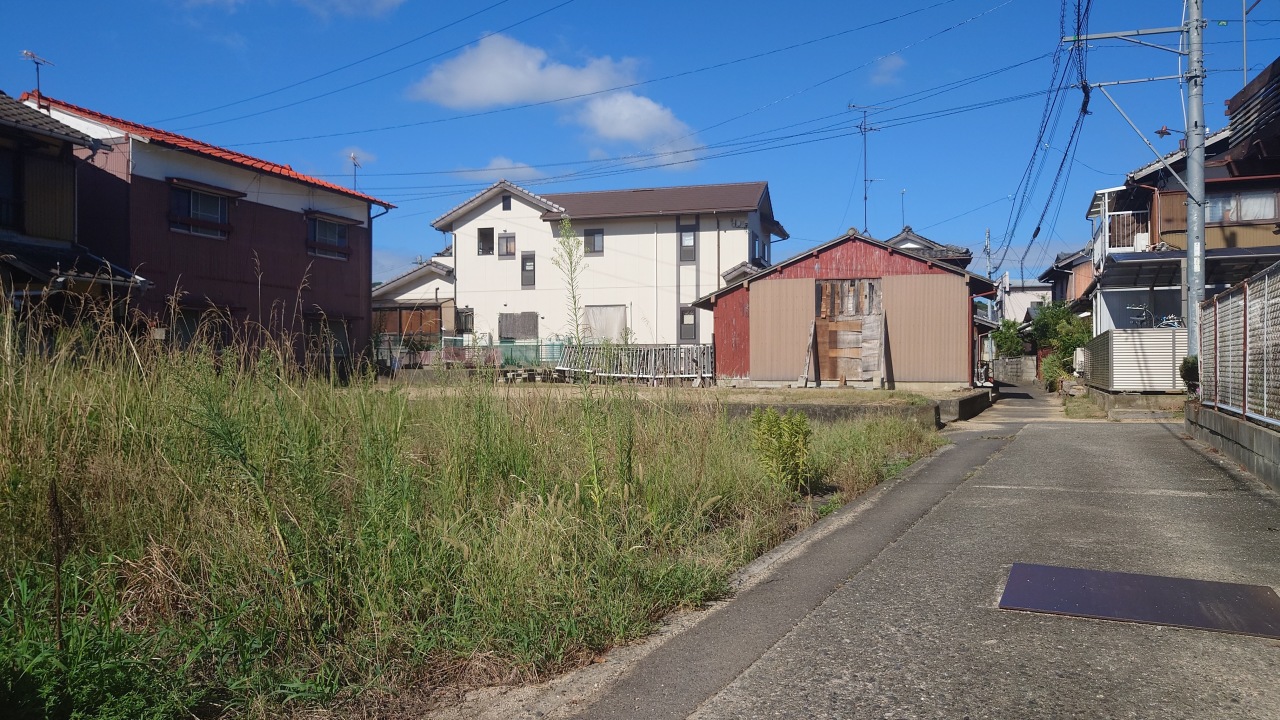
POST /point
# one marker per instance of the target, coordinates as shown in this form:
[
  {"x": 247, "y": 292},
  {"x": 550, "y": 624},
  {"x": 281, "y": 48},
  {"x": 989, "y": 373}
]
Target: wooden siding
[
  {"x": 927, "y": 321},
  {"x": 781, "y": 324},
  {"x": 1173, "y": 226},
  {"x": 50, "y": 190}
]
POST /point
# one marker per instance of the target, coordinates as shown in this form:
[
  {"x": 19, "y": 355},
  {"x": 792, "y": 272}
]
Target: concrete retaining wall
[
  {"x": 926, "y": 415},
  {"x": 965, "y": 407},
  {"x": 1255, "y": 447}
]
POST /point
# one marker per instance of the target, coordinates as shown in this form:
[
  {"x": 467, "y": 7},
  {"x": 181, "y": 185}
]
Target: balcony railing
[{"x": 1122, "y": 232}]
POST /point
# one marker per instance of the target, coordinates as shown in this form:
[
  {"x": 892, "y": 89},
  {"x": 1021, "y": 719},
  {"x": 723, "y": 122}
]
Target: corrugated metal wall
[
  {"x": 927, "y": 321},
  {"x": 733, "y": 335},
  {"x": 51, "y": 197},
  {"x": 1140, "y": 360},
  {"x": 782, "y": 318}
]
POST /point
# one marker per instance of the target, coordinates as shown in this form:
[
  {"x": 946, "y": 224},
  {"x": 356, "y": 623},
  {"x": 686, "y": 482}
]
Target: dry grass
[{"x": 244, "y": 538}]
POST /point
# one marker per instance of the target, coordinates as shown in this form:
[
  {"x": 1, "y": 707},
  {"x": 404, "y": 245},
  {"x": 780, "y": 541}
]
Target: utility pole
[
  {"x": 986, "y": 250},
  {"x": 864, "y": 129},
  {"x": 1195, "y": 173},
  {"x": 1194, "y": 183}
]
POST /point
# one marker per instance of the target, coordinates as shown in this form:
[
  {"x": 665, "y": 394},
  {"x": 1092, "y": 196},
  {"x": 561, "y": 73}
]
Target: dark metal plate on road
[{"x": 1151, "y": 599}]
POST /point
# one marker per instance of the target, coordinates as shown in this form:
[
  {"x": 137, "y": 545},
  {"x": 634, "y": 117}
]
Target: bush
[
  {"x": 781, "y": 443},
  {"x": 1008, "y": 340},
  {"x": 1190, "y": 372}
]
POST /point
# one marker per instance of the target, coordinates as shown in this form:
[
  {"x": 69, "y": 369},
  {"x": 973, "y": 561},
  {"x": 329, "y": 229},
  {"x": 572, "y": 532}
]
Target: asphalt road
[{"x": 892, "y": 612}]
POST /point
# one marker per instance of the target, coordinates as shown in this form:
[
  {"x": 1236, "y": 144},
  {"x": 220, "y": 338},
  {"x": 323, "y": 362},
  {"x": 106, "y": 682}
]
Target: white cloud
[
  {"x": 627, "y": 117},
  {"x": 375, "y": 8},
  {"x": 500, "y": 70},
  {"x": 502, "y": 167},
  {"x": 323, "y": 8},
  {"x": 635, "y": 118},
  {"x": 888, "y": 70},
  {"x": 388, "y": 264}
]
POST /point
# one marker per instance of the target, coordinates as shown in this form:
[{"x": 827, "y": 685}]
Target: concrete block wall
[{"x": 1255, "y": 447}]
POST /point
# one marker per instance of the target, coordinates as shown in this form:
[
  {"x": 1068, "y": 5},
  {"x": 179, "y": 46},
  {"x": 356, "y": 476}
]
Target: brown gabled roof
[
  {"x": 705, "y": 301},
  {"x": 164, "y": 137},
  {"x": 19, "y": 115},
  {"x": 683, "y": 200}
]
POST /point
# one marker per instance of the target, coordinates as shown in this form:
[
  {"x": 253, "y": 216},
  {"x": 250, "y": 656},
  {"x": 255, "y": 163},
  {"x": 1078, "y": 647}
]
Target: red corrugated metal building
[{"x": 852, "y": 311}]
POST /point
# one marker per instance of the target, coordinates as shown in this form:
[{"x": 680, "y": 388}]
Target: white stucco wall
[
  {"x": 639, "y": 268},
  {"x": 1017, "y": 302}
]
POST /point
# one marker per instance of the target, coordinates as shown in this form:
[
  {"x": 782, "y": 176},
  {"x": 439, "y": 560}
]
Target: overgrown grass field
[{"x": 184, "y": 533}]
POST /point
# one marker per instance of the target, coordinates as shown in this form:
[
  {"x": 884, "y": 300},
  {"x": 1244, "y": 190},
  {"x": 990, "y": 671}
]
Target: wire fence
[{"x": 1240, "y": 348}]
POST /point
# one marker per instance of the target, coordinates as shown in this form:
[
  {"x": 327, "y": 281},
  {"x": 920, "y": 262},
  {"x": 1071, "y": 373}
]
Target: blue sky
[{"x": 440, "y": 99}]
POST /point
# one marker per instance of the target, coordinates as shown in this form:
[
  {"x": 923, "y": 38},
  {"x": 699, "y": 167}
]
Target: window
[
  {"x": 198, "y": 213},
  {"x": 526, "y": 270},
  {"x": 327, "y": 238},
  {"x": 507, "y": 244},
  {"x": 688, "y": 325},
  {"x": 688, "y": 242},
  {"x": 464, "y": 320},
  {"x": 506, "y": 202},
  {"x": 10, "y": 190},
  {"x": 593, "y": 242},
  {"x": 484, "y": 241},
  {"x": 757, "y": 250},
  {"x": 1241, "y": 207}
]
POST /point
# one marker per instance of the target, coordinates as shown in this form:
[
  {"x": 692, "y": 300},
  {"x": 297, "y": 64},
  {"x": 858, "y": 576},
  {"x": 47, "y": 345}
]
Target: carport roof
[{"x": 1223, "y": 266}]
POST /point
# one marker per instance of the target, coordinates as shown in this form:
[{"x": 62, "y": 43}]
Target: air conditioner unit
[{"x": 1141, "y": 242}]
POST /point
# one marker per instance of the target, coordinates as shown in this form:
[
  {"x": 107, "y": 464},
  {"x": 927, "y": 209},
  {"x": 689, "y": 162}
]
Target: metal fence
[
  {"x": 415, "y": 350},
  {"x": 1240, "y": 348},
  {"x": 641, "y": 362},
  {"x": 1138, "y": 360}
]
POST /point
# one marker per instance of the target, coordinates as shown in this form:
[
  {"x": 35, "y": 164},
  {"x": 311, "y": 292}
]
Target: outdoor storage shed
[{"x": 853, "y": 310}]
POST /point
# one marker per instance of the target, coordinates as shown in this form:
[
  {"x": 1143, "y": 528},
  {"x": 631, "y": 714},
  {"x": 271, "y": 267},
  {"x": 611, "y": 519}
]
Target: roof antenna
[
  {"x": 355, "y": 164},
  {"x": 37, "y": 61}
]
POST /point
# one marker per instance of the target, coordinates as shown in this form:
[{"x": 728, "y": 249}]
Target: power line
[
  {"x": 639, "y": 83},
  {"x": 339, "y": 69},
  {"x": 366, "y": 81}
]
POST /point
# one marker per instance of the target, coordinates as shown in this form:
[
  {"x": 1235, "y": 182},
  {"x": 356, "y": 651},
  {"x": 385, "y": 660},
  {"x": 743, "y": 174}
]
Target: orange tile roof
[{"x": 185, "y": 143}]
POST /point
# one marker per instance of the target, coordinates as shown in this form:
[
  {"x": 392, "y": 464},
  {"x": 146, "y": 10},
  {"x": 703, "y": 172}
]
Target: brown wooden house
[
  {"x": 217, "y": 230},
  {"x": 851, "y": 311}
]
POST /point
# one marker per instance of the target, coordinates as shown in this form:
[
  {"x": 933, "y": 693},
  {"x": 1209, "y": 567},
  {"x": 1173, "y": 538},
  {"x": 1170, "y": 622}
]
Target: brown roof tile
[{"x": 688, "y": 199}]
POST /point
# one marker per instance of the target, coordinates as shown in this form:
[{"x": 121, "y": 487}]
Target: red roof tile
[{"x": 185, "y": 143}]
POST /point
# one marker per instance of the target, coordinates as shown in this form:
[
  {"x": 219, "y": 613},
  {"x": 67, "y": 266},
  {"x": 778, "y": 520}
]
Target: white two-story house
[{"x": 648, "y": 254}]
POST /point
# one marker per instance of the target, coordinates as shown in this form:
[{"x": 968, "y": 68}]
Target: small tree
[
  {"x": 568, "y": 260},
  {"x": 1008, "y": 340}
]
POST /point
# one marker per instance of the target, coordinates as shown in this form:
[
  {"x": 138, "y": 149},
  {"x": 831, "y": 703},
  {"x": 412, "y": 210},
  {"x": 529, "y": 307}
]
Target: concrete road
[{"x": 891, "y": 612}]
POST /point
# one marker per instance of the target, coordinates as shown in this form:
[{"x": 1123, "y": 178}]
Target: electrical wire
[
  {"x": 366, "y": 81},
  {"x": 338, "y": 69}
]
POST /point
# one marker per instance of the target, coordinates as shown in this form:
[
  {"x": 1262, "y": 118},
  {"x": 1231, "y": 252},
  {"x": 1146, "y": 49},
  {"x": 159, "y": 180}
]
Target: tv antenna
[
  {"x": 355, "y": 165},
  {"x": 37, "y": 61},
  {"x": 864, "y": 129}
]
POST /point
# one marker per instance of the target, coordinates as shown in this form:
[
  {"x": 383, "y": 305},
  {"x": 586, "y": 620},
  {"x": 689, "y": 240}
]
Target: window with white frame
[
  {"x": 593, "y": 242},
  {"x": 507, "y": 244},
  {"x": 198, "y": 213}
]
